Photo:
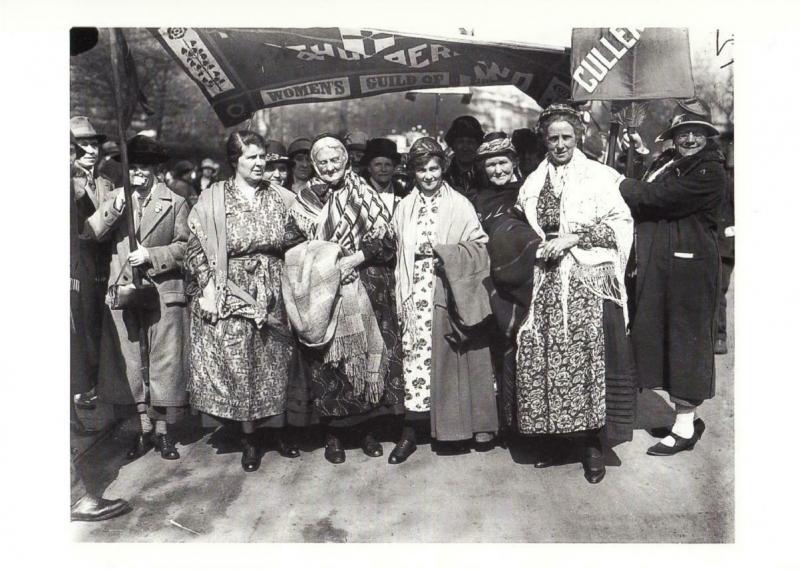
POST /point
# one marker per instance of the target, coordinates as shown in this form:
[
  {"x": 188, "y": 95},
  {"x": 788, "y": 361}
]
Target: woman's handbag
[{"x": 121, "y": 296}]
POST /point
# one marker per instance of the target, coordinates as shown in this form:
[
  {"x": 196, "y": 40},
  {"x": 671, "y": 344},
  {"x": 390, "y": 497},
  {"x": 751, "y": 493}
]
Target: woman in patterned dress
[
  {"x": 574, "y": 364},
  {"x": 434, "y": 214},
  {"x": 339, "y": 206},
  {"x": 241, "y": 343}
]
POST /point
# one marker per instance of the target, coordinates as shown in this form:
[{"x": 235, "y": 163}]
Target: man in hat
[
  {"x": 677, "y": 273},
  {"x": 84, "y": 506},
  {"x": 183, "y": 181},
  {"x": 91, "y": 191},
  {"x": 208, "y": 173},
  {"x": 299, "y": 152},
  {"x": 356, "y": 144},
  {"x": 464, "y": 136},
  {"x": 161, "y": 231}
]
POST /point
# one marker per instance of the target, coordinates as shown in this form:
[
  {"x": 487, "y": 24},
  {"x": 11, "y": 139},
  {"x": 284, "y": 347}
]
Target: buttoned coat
[
  {"x": 676, "y": 289},
  {"x": 163, "y": 231}
]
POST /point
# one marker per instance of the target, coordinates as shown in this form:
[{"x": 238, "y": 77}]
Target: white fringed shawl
[{"x": 590, "y": 195}]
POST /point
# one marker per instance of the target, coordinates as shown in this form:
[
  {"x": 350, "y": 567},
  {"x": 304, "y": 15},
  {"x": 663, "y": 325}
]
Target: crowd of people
[{"x": 514, "y": 289}]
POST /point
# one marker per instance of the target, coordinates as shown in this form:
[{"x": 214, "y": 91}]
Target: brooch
[{"x": 158, "y": 208}]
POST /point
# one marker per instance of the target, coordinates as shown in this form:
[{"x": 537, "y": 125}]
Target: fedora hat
[
  {"x": 81, "y": 129},
  {"x": 380, "y": 147},
  {"x": 689, "y": 112},
  {"x": 144, "y": 150}
]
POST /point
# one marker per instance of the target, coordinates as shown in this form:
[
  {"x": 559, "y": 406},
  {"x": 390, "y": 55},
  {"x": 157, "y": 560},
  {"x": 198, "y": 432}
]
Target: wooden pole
[
  {"x": 613, "y": 133},
  {"x": 126, "y": 182},
  {"x": 144, "y": 348}
]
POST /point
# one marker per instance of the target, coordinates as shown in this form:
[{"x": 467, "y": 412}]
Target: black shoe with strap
[
  {"x": 143, "y": 445},
  {"x": 287, "y": 449},
  {"x": 166, "y": 445},
  {"x": 402, "y": 451},
  {"x": 334, "y": 450},
  {"x": 681, "y": 443},
  {"x": 371, "y": 446},
  {"x": 594, "y": 464}
]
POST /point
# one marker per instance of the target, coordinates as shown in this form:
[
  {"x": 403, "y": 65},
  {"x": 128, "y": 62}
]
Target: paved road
[{"x": 475, "y": 497}]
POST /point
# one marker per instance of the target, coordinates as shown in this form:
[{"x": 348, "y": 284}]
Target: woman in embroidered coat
[
  {"x": 241, "y": 345},
  {"x": 574, "y": 363},
  {"x": 161, "y": 231},
  {"x": 339, "y": 206}
]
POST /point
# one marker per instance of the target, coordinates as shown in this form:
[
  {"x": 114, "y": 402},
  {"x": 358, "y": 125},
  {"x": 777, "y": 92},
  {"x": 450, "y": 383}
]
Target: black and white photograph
[{"x": 460, "y": 278}]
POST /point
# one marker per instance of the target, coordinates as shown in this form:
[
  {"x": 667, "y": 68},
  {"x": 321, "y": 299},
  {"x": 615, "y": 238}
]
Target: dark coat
[
  {"x": 675, "y": 294},
  {"x": 164, "y": 231}
]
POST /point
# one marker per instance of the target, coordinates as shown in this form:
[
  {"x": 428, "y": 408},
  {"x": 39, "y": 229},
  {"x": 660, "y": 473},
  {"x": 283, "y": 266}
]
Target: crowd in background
[{"x": 478, "y": 289}]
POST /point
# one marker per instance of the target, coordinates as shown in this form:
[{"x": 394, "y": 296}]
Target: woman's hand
[
  {"x": 208, "y": 301},
  {"x": 139, "y": 257},
  {"x": 347, "y": 267},
  {"x": 556, "y": 247}
]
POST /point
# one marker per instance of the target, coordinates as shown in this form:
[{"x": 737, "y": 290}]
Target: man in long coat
[
  {"x": 161, "y": 229},
  {"x": 89, "y": 192},
  {"x": 678, "y": 270}
]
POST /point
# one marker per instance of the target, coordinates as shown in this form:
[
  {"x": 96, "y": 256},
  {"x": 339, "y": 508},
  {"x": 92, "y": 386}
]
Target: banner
[
  {"x": 243, "y": 70},
  {"x": 626, "y": 64}
]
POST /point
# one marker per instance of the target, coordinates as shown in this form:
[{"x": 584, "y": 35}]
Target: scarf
[
  {"x": 459, "y": 224},
  {"x": 353, "y": 210},
  {"x": 336, "y": 319},
  {"x": 589, "y": 195}
]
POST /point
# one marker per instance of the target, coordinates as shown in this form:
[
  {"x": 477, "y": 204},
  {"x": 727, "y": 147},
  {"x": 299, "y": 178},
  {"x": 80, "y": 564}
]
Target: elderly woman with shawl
[
  {"x": 444, "y": 305},
  {"x": 352, "y": 370},
  {"x": 241, "y": 345},
  {"x": 512, "y": 249},
  {"x": 574, "y": 362}
]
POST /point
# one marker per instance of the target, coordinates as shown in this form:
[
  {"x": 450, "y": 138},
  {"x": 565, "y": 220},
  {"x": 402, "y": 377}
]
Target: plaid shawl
[{"x": 353, "y": 210}]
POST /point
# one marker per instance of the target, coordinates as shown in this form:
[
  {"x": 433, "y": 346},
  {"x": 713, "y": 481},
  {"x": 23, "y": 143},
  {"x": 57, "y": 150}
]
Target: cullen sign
[
  {"x": 626, "y": 64},
  {"x": 243, "y": 70}
]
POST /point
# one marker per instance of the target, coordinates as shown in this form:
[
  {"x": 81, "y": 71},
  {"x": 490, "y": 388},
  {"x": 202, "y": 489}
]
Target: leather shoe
[
  {"x": 402, "y": 451},
  {"x": 371, "y": 446},
  {"x": 93, "y": 509},
  {"x": 143, "y": 445},
  {"x": 251, "y": 458},
  {"x": 721, "y": 347},
  {"x": 166, "y": 446},
  {"x": 681, "y": 444},
  {"x": 594, "y": 465},
  {"x": 334, "y": 450},
  {"x": 287, "y": 450}
]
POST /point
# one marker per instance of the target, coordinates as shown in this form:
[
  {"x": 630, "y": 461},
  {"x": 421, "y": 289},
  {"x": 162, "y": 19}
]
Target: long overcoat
[
  {"x": 163, "y": 231},
  {"x": 676, "y": 289}
]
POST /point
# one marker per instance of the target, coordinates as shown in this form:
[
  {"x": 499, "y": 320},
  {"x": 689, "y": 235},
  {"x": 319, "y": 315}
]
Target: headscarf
[
  {"x": 351, "y": 211},
  {"x": 589, "y": 195}
]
